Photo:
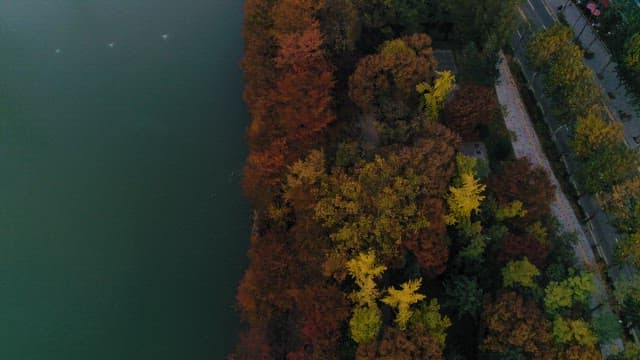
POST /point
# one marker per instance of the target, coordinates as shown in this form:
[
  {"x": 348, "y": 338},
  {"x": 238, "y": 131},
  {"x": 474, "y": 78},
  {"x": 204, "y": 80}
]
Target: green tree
[
  {"x": 563, "y": 294},
  {"x": 632, "y": 52},
  {"x": 402, "y": 300},
  {"x": 628, "y": 249},
  {"x": 464, "y": 296},
  {"x": 478, "y": 21},
  {"x": 573, "y": 331},
  {"x": 519, "y": 272},
  {"x": 606, "y": 326},
  {"x": 608, "y": 167},
  {"x": 365, "y": 323},
  {"x": 429, "y": 316},
  {"x": 511, "y": 210}
]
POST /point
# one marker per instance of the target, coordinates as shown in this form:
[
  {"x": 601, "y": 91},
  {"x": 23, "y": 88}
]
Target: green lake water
[{"x": 123, "y": 229}]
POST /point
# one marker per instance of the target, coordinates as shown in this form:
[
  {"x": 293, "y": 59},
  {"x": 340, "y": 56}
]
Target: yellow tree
[
  {"x": 546, "y": 44},
  {"x": 592, "y": 132},
  {"x": 402, "y": 299},
  {"x": 573, "y": 331},
  {"x": 520, "y": 272},
  {"x": 464, "y": 200},
  {"x": 436, "y": 94},
  {"x": 364, "y": 269}
]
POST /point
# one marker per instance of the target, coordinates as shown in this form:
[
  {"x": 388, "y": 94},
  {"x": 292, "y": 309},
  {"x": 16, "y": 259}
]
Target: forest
[{"x": 374, "y": 235}]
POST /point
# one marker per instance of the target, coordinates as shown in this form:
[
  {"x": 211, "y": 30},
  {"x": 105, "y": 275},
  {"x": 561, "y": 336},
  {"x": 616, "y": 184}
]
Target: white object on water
[
  {"x": 112, "y": 44},
  {"x": 165, "y": 36},
  {"x": 58, "y": 51}
]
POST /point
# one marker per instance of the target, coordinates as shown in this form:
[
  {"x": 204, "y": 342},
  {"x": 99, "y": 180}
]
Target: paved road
[
  {"x": 621, "y": 104},
  {"x": 602, "y": 234}
]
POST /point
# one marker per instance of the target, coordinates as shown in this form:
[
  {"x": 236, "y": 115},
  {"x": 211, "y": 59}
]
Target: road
[
  {"x": 540, "y": 14},
  {"x": 603, "y": 236}
]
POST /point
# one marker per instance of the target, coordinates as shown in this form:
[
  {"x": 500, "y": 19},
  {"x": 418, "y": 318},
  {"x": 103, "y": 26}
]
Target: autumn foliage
[
  {"x": 520, "y": 180},
  {"x": 472, "y": 106},
  {"x": 363, "y": 205}
]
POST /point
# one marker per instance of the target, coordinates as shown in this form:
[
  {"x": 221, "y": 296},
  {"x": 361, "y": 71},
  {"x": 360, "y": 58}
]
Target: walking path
[{"x": 526, "y": 144}]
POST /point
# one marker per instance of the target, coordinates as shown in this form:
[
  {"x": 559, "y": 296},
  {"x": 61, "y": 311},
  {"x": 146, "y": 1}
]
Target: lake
[{"x": 123, "y": 229}]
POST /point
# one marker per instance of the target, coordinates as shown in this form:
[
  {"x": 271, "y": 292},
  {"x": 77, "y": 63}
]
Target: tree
[
  {"x": 516, "y": 247},
  {"x": 520, "y": 180},
  {"x": 561, "y": 295},
  {"x": 321, "y": 310},
  {"x": 632, "y": 54},
  {"x": 464, "y": 200},
  {"x": 253, "y": 344},
  {"x": 628, "y": 249},
  {"x": 631, "y": 352},
  {"x": 259, "y": 70},
  {"x": 341, "y": 27},
  {"x": 472, "y": 107},
  {"x": 573, "y": 331},
  {"x": 365, "y": 323},
  {"x": 428, "y": 315},
  {"x": 413, "y": 343},
  {"x": 571, "y": 81},
  {"x": 464, "y": 296},
  {"x": 520, "y": 272},
  {"x": 608, "y": 167},
  {"x": 383, "y": 85},
  {"x": 303, "y": 92},
  {"x": 545, "y": 45},
  {"x": 606, "y": 326},
  {"x": 567, "y": 79},
  {"x": 627, "y": 293},
  {"x": 623, "y": 204},
  {"x": 392, "y": 201},
  {"x": 402, "y": 300},
  {"x": 577, "y": 352},
  {"x": 262, "y": 171},
  {"x": 592, "y": 133},
  {"x": 364, "y": 269},
  {"x": 479, "y": 21},
  {"x": 435, "y": 96},
  {"x": 512, "y": 322}
]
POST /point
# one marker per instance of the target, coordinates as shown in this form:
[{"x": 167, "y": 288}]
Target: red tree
[
  {"x": 385, "y": 83},
  {"x": 471, "y": 107},
  {"x": 259, "y": 69},
  {"x": 262, "y": 172},
  {"x": 515, "y": 247},
  {"x": 511, "y": 321},
  {"x": 303, "y": 93},
  {"x": 414, "y": 343},
  {"x": 522, "y": 181}
]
